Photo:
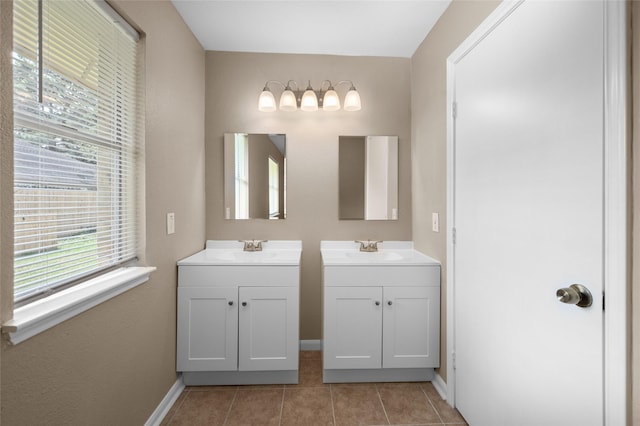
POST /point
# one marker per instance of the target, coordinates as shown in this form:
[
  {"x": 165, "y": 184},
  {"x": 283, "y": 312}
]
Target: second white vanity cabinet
[
  {"x": 238, "y": 315},
  {"x": 381, "y": 327},
  {"x": 381, "y": 314}
]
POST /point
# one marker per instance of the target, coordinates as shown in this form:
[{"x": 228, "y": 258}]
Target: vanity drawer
[
  {"x": 225, "y": 276},
  {"x": 413, "y": 275}
]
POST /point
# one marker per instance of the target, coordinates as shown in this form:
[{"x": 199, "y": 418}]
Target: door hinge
[
  {"x": 454, "y": 110},
  {"x": 603, "y": 299},
  {"x": 453, "y": 359},
  {"x": 453, "y": 235}
]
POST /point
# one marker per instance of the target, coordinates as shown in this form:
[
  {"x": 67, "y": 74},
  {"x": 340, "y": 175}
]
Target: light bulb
[
  {"x": 352, "y": 100},
  {"x": 288, "y": 101},
  {"x": 309, "y": 100},
  {"x": 331, "y": 101},
  {"x": 266, "y": 101}
]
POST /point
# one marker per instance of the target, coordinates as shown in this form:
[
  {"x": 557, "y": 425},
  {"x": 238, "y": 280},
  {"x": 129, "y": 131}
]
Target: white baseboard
[
  {"x": 167, "y": 402},
  {"x": 440, "y": 386},
  {"x": 310, "y": 345}
]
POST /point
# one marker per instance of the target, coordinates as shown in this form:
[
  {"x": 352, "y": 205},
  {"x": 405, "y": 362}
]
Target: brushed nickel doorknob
[{"x": 575, "y": 294}]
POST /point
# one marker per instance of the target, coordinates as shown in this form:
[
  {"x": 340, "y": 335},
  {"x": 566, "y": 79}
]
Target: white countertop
[
  {"x": 390, "y": 253},
  {"x": 230, "y": 253}
]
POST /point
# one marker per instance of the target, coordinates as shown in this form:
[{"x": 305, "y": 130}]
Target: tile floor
[{"x": 312, "y": 402}]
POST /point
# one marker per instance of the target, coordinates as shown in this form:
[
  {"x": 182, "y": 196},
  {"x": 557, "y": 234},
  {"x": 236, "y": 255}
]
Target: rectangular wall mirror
[
  {"x": 368, "y": 174},
  {"x": 254, "y": 176}
]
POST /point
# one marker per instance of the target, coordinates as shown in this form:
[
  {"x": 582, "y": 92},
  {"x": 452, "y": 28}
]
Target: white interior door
[{"x": 528, "y": 218}]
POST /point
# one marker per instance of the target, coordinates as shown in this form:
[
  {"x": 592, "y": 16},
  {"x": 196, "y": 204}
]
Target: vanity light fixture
[
  {"x": 266, "y": 102},
  {"x": 288, "y": 99},
  {"x": 308, "y": 99},
  {"x": 331, "y": 101}
]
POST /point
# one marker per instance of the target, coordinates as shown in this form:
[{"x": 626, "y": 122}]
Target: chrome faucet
[
  {"x": 252, "y": 245},
  {"x": 368, "y": 246}
]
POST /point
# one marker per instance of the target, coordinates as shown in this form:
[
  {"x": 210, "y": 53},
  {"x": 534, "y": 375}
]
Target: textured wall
[
  {"x": 6, "y": 160},
  {"x": 6, "y": 165},
  {"x": 113, "y": 364},
  {"x": 234, "y": 81},
  {"x": 429, "y": 133}
]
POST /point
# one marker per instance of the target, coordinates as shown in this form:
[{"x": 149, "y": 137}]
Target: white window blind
[{"x": 76, "y": 143}]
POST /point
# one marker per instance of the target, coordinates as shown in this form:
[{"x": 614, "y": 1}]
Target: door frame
[{"x": 615, "y": 257}]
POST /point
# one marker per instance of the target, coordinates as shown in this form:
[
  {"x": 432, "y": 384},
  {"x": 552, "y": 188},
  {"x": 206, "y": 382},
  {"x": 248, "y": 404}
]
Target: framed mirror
[
  {"x": 368, "y": 176},
  {"x": 254, "y": 176}
]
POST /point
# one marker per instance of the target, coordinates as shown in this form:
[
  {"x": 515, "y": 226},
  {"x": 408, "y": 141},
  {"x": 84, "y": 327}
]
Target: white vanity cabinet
[
  {"x": 238, "y": 323},
  {"x": 381, "y": 315},
  {"x": 381, "y": 327}
]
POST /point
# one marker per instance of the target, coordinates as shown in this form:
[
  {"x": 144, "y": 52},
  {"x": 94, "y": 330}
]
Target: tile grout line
[
  {"x": 432, "y": 404},
  {"x": 235, "y": 395},
  {"x": 384, "y": 410},
  {"x": 185, "y": 391},
  {"x": 284, "y": 390},
  {"x": 333, "y": 410}
]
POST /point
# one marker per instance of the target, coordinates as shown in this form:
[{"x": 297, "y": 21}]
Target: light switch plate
[
  {"x": 435, "y": 222},
  {"x": 171, "y": 223}
]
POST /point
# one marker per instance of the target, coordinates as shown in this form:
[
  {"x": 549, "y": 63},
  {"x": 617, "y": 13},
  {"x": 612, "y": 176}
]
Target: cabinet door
[
  {"x": 411, "y": 327},
  {"x": 268, "y": 329},
  {"x": 352, "y": 327},
  {"x": 207, "y": 337}
]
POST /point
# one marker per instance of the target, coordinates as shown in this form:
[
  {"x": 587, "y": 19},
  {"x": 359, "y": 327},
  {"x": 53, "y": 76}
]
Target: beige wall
[
  {"x": 6, "y": 162},
  {"x": 428, "y": 133},
  {"x": 113, "y": 364},
  {"x": 234, "y": 81}
]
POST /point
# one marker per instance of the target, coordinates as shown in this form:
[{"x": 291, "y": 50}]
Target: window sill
[{"x": 36, "y": 317}]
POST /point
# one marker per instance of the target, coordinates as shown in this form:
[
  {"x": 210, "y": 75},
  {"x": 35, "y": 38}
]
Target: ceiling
[{"x": 392, "y": 28}]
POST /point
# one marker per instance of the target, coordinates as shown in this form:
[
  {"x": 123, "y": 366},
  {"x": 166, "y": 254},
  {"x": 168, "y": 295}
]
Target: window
[
  {"x": 76, "y": 143},
  {"x": 242, "y": 175},
  {"x": 274, "y": 189}
]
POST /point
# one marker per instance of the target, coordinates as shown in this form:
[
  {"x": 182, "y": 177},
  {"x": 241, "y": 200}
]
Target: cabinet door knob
[
  {"x": 389, "y": 303},
  {"x": 244, "y": 303},
  {"x": 377, "y": 303},
  {"x": 230, "y": 302}
]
